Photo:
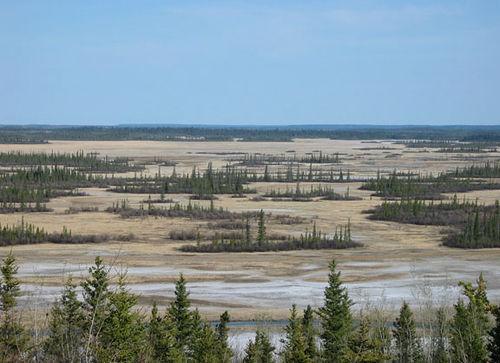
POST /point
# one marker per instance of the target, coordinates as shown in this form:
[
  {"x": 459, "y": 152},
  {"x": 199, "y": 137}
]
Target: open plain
[{"x": 397, "y": 260}]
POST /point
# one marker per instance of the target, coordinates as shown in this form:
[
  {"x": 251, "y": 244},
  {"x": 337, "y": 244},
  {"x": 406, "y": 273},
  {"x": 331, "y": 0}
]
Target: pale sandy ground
[{"x": 398, "y": 261}]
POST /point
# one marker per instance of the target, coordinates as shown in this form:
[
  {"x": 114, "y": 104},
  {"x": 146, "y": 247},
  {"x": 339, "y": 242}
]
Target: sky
[{"x": 250, "y": 62}]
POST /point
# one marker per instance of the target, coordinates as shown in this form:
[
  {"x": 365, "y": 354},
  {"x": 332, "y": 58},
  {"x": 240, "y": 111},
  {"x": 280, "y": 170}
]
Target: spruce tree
[
  {"x": 261, "y": 232},
  {"x": 407, "y": 345},
  {"x": 180, "y": 315},
  {"x": 260, "y": 350},
  {"x": 161, "y": 336},
  {"x": 66, "y": 327},
  {"x": 224, "y": 353},
  {"x": 469, "y": 327},
  {"x": 95, "y": 306},
  {"x": 362, "y": 347},
  {"x": 202, "y": 345},
  {"x": 309, "y": 333},
  {"x": 294, "y": 344},
  {"x": 494, "y": 345},
  {"x": 122, "y": 338},
  {"x": 336, "y": 320},
  {"x": 13, "y": 338}
]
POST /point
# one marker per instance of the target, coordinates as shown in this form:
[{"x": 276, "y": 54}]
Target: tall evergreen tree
[
  {"x": 408, "y": 349},
  {"x": 161, "y": 336},
  {"x": 224, "y": 353},
  {"x": 261, "y": 232},
  {"x": 203, "y": 344},
  {"x": 336, "y": 319},
  {"x": 122, "y": 338},
  {"x": 294, "y": 343},
  {"x": 66, "y": 327},
  {"x": 469, "y": 327},
  {"x": 260, "y": 350},
  {"x": 362, "y": 347},
  {"x": 13, "y": 338},
  {"x": 309, "y": 333},
  {"x": 95, "y": 306},
  {"x": 494, "y": 346},
  {"x": 180, "y": 315}
]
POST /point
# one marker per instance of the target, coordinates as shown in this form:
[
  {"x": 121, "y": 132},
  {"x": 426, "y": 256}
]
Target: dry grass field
[{"x": 397, "y": 261}]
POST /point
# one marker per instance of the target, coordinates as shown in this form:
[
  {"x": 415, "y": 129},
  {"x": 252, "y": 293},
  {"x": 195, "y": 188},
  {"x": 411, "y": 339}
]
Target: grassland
[{"x": 397, "y": 259}]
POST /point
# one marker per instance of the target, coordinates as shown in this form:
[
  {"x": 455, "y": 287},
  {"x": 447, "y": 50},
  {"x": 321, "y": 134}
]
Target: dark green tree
[
  {"x": 469, "y": 327},
  {"x": 95, "y": 306},
  {"x": 224, "y": 352},
  {"x": 294, "y": 343},
  {"x": 336, "y": 319},
  {"x": 161, "y": 336},
  {"x": 407, "y": 345},
  {"x": 260, "y": 350},
  {"x": 122, "y": 338},
  {"x": 180, "y": 315},
  {"x": 13, "y": 337},
  {"x": 362, "y": 347},
  {"x": 261, "y": 232},
  {"x": 309, "y": 333},
  {"x": 494, "y": 346},
  {"x": 66, "y": 327}
]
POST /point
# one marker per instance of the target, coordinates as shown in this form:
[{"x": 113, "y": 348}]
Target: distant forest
[{"x": 41, "y": 134}]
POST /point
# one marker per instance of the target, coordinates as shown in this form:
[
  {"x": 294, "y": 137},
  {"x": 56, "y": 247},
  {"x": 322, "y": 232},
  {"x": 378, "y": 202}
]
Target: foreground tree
[
  {"x": 95, "y": 306},
  {"x": 66, "y": 327},
  {"x": 294, "y": 343},
  {"x": 180, "y": 315},
  {"x": 260, "y": 350},
  {"x": 309, "y": 333},
  {"x": 13, "y": 338},
  {"x": 408, "y": 349},
  {"x": 224, "y": 352},
  {"x": 336, "y": 319},
  {"x": 469, "y": 327},
  {"x": 363, "y": 348},
  {"x": 122, "y": 337},
  {"x": 494, "y": 346},
  {"x": 162, "y": 341}
]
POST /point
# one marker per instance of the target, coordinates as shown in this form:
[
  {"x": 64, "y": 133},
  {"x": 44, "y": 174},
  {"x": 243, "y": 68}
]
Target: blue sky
[{"x": 250, "y": 62}]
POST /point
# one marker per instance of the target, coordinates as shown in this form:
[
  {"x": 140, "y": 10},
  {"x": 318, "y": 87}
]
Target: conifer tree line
[
  {"x": 424, "y": 186},
  {"x": 88, "y": 162},
  {"x": 259, "y": 241},
  {"x": 485, "y": 170},
  {"x": 474, "y": 225},
  {"x": 99, "y": 321},
  {"x": 314, "y": 191},
  {"x": 315, "y": 157},
  {"x": 27, "y": 233},
  {"x": 32, "y": 134}
]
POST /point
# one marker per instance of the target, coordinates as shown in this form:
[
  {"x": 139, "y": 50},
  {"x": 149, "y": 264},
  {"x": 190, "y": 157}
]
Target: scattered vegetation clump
[
  {"x": 87, "y": 162},
  {"x": 315, "y": 157},
  {"x": 206, "y": 183},
  {"x": 481, "y": 230},
  {"x": 27, "y": 233},
  {"x": 190, "y": 210},
  {"x": 304, "y": 194},
  {"x": 418, "y": 211},
  {"x": 474, "y": 225},
  {"x": 423, "y": 187},
  {"x": 486, "y": 170},
  {"x": 85, "y": 209},
  {"x": 263, "y": 242}
]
